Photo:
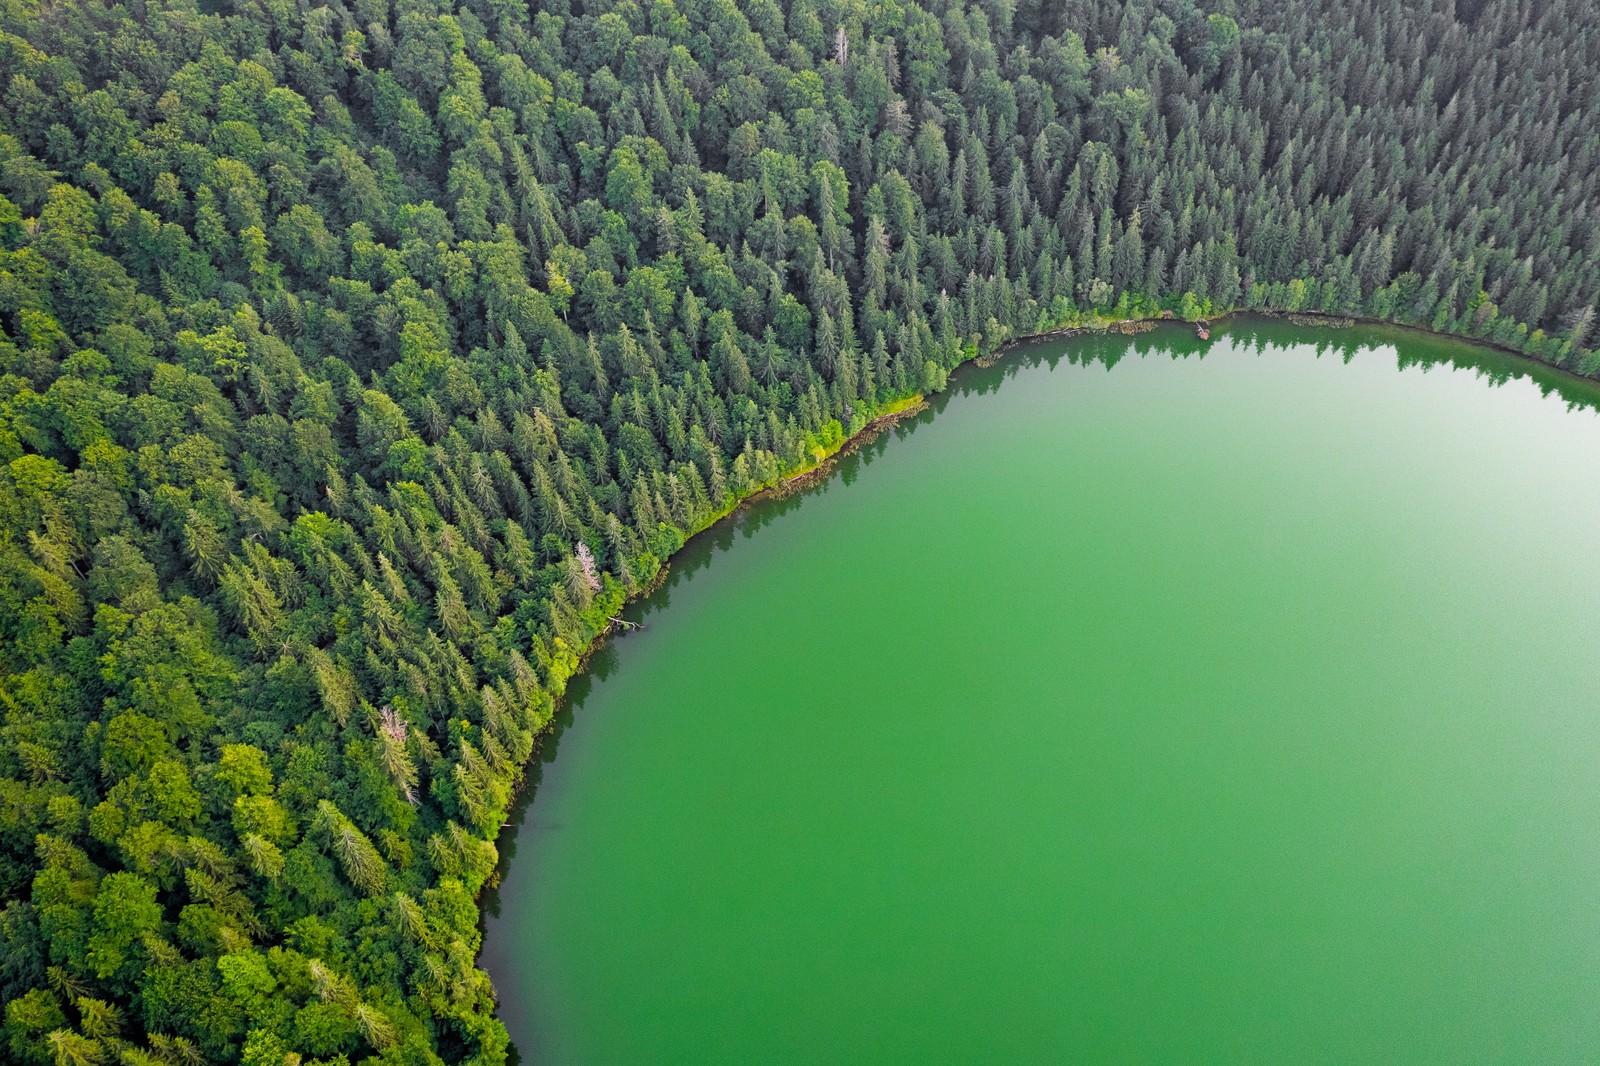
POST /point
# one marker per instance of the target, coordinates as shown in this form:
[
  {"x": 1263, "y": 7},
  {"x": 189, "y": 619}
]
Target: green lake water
[{"x": 1144, "y": 701}]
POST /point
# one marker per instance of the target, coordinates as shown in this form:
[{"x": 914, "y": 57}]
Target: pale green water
[{"x": 1235, "y": 709}]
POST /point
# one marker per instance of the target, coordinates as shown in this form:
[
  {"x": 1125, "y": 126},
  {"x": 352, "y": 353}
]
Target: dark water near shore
[{"x": 1127, "y": 706}]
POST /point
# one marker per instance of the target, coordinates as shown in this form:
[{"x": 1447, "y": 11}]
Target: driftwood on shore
[
  {"x": 1130, "y": 326},
  {"x": 1325, "y": 321}
]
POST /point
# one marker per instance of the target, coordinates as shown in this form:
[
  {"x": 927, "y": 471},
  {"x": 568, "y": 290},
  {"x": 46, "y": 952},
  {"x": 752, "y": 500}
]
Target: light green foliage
[{"x": 125, "y": 911}]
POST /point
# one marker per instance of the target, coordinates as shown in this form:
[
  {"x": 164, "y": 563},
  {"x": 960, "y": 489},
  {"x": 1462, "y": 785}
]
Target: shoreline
[
  {"x": 806, "y": 478},
  {"x": 1321, "y": 320},
  {"x": 810, "y": 476},
  {"x": 918, "y": 403}
]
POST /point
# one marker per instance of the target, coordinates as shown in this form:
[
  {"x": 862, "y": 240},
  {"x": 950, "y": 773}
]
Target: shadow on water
[
  {"x": 1261, "y": 335},
  {"x": 1419, "y": 349},
  {"x": 1258, "y": 335}
]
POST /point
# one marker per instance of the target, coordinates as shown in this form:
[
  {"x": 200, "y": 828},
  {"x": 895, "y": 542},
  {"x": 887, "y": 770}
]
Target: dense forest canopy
[{"x": 358, "y": 359}]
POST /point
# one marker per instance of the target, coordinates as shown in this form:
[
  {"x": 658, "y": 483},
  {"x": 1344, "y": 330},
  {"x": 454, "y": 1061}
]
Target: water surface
[{"x": 1130, "y": 706}]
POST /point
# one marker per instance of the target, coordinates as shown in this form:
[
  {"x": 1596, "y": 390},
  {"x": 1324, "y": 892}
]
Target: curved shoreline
[
  {"x": 918, "y": 403},
  {"x": 818, "y": 472}
]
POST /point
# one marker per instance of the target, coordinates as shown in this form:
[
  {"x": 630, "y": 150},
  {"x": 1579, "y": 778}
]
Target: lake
[{"x": 1143, "y": 700}]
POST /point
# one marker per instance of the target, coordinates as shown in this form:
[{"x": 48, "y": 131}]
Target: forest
[{"x": 360, "y": 358}]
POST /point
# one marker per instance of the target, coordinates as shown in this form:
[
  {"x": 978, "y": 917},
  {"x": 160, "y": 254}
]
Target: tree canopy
[{"x": 358, "y": 360}]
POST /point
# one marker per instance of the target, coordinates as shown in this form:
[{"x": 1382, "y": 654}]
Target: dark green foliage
[{"x": 357, "y": 361}]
